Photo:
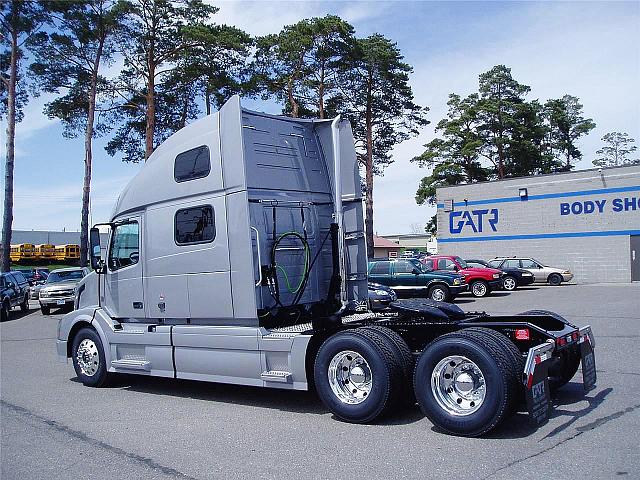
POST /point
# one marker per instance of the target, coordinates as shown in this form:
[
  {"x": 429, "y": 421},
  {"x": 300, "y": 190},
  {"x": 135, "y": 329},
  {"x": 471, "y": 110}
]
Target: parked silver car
[
  {"x": 61, "y": 288},
  {"x": 541, "y": 273}
]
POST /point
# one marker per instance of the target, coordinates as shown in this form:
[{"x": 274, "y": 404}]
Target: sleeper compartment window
[{"x": 192, "y": 164}]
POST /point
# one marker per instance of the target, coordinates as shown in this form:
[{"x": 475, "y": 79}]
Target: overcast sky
[{"x": 587, "y": 49}]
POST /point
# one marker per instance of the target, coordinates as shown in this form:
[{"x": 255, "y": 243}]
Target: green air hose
[{"x": 307, "y": 255}]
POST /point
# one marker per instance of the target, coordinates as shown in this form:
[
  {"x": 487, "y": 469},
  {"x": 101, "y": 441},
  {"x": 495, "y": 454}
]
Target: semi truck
[{"x": 237, "y": 255}]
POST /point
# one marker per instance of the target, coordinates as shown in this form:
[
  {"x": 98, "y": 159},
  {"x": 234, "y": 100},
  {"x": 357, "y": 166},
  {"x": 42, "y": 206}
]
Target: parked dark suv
[
  {"x": 409, "y": 277},
  {"x": 14, "y": 291}
]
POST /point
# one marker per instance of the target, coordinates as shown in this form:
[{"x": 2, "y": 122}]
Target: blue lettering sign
[{"x": 473, "y": 219}]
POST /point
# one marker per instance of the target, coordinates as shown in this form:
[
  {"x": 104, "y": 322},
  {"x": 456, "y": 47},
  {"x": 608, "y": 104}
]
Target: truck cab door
[{"x": 123, "y": 292}]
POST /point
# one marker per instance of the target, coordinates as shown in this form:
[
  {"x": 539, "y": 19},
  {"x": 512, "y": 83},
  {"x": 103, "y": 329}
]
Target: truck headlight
[
  {"x": 44, "y": 293},
  {"x": 527, "y": 274},
  {"x": 566, "y": 272},
  {"x": 496, "y": 275},
  {"x": 382, "y": 293},
  {"x": 456, "y": 281}
]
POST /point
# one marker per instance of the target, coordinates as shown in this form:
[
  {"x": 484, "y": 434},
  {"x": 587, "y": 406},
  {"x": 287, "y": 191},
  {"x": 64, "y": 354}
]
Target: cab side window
[
  {"x": 428, "y": 264},
  {"x": 495, "y": 263},
  {"x": 125, "y": 246},
  {"x": 195, "y": 225},
  {"x": 446, "y": 264},
  {"x": 380, "y": 268}
]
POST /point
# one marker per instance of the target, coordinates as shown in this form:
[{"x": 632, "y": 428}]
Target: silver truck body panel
[{"x": 190, "y": 310}]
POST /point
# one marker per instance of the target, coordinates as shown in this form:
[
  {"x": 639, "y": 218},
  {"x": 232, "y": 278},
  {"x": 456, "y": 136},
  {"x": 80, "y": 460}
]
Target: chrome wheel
[
  {"x": 438, "y": 294},
  {"x": 87, "y": 357},
  {"x": 479, "y": 289},
  {"x": 509, "y": 283},
  {"x": 350, "y": 377},
  {"x": 458, "y": 385}
]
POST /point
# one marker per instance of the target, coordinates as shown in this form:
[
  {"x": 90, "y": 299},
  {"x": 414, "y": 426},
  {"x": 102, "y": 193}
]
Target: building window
[
  {"x": 124, "y": 250},
  {"x": 192, "y": 164},
  {"x": 195, "y": 225}
]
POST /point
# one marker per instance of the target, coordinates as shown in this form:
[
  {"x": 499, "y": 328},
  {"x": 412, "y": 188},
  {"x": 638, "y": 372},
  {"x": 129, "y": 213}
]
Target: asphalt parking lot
[{"x": 54, "y": 427}]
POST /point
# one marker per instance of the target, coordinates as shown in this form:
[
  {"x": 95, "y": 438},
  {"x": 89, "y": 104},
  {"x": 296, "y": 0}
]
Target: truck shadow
[
  {"x": 294, "y": 401},
  {"x": 17, "y": 314},
  {"x": 518, "y": 426}
]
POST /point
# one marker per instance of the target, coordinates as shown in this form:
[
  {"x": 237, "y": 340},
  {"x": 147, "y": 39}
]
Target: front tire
[
  {"x": 88, "y": 358},
  {"x": 464, "y": 383},
  {"x": 24, "y": 306},
  {"x": 554, "y": 279},
  {"x": 479, "y": 288},
  {"x": 357, "y": 375},
  {"x": 45, "y": 309},
  {"x": 5, "y": 311},
  {"x": 439, "y": 293},
  {"x": 509, "y": 283}
]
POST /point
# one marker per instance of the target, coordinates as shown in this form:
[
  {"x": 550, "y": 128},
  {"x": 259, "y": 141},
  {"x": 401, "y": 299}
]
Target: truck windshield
[
  {"x": 461, "y": 262},
  {"x": 63, "y": 276}
]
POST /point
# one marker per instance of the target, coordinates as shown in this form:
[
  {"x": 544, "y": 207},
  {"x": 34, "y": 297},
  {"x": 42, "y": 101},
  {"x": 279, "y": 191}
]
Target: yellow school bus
[
  {"x": 45, "y": 251},
  {"x": 67, "y": 252},
  {"x": 22, "y": 251}
]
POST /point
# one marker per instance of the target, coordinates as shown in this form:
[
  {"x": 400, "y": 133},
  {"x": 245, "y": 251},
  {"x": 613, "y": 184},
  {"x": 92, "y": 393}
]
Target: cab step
[
  {"x": 131, "y": 365},
  {"x": 276, "y": 376}
]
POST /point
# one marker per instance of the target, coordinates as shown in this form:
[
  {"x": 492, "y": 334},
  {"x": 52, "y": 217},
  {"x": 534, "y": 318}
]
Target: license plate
[{"x": 60, "y": 302}]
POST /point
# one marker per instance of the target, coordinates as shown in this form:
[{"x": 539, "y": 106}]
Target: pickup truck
[
  {"x": 237, "y": 254},
  {"x": 412, "y": 278},
  {"x": 14, "y": 291},
  {"x": 481, "y": 281}
]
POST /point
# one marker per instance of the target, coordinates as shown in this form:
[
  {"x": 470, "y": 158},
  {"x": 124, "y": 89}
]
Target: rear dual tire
[{"x": 465, "y": 382}]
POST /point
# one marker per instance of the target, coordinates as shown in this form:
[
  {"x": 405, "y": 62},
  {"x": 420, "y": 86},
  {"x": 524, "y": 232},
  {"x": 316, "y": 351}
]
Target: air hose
[{"x": 307, "y": 257}]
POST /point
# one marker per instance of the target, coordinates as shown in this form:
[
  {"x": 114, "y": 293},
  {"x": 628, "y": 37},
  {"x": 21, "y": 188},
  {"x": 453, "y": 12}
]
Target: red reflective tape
[
  {"x": 530, "y": 381},
  {"x": 537, "y": 359}
]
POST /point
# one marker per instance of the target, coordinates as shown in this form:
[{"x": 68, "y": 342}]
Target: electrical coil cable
[{"x": 307, "y": 258}]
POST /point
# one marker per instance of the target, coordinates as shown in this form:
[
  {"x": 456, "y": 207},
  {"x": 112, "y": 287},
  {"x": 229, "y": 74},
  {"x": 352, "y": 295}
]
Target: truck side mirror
[
  {"x": 415, "y": 271},
  {"x": 94, "y": 243}
]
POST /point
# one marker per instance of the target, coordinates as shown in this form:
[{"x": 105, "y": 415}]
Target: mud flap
[
  {"x": 588, "y": 358},
  {"x": 536, "y": 383}
]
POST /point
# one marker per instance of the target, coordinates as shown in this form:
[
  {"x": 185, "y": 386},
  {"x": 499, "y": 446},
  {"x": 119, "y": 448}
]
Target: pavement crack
[
  {"x": 78, "y": 435},
  {"x": 579, "y": 431}
]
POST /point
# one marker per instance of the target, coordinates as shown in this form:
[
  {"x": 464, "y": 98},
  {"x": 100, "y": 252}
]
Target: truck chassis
[{"x": 467, "y": 371}]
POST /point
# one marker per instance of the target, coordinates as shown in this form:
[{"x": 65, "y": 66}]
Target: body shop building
[{"x": 587, "y": 221}]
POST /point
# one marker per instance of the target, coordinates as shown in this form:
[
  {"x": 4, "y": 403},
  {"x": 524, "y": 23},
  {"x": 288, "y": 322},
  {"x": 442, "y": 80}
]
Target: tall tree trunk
[
  {"x": 151, "y": 112},
  {"x": 88, "y": 158},
  {"x": 207, "y": 100},
  {"x": 321, "y": 93},
  {"x": 7, "y": 218},
  {"x": 368, "y": 220},
  {"x": 292, "y": 100}
]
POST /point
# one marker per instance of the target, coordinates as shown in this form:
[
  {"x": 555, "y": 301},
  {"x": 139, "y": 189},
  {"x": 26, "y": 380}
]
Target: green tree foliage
[
  {"x": 566, "y": 125},
  {"x": 298, "y": 66},
  {"x": 496, "y": 133},
  {"x": 454, "y": 158},
  {"x": 500, "y": 102},
  {"x": 19, "y": 21},
  {"x": 68, "y": 62},
  {"x": 153, "y": 35},
  {"x": 376, "y": 97},
  {"x": 617, "y": 150}
]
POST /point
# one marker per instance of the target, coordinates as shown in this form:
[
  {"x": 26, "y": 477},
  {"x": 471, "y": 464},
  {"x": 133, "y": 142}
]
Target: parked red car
[{"x": 481, "y": 281}]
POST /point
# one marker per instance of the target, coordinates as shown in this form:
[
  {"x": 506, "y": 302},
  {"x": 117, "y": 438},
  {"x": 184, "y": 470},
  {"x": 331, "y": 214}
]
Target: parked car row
[
  {"x": 57, "y": 290},
  {"x": 444, "y": 277}
]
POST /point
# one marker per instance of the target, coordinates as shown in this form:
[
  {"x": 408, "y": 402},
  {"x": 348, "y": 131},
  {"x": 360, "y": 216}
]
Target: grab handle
[{"x": 259, "y": 282}]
